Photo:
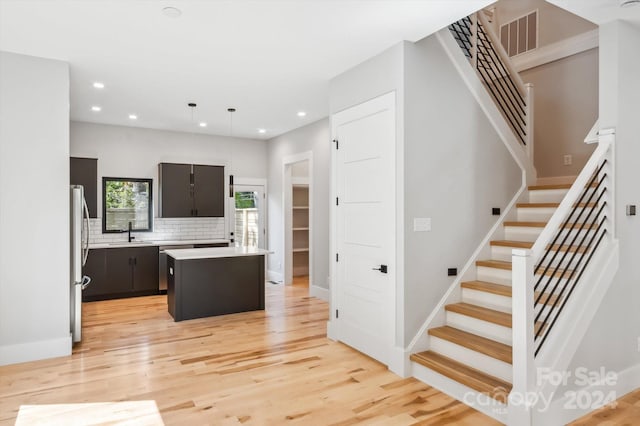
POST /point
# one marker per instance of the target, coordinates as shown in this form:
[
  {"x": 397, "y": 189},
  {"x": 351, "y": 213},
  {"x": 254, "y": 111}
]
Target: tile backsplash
[{"x": 201, "y": 228}]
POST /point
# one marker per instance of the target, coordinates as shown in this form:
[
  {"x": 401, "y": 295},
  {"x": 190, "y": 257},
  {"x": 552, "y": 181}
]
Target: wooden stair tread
[
  {"x": 549, "y": 205},
  {"x": 474, "y": 342},
  {"x": 485, "y": 314},
  {"x": 505, "y": 290},
  {"x": 501, "y": 264},
  {"x": 550, "y": 186},
  {"x": 512, "y": 243},
  {"x": 487, "y": 287},
  {"x": 498, "y": 264},
  {"x": 478, "y": 312},
  {"x": 461, "y": 373},
  {"x": 557, "y": 186},
  {"x": 543, "y": 224},
  {"x": 528, "y": 245}
]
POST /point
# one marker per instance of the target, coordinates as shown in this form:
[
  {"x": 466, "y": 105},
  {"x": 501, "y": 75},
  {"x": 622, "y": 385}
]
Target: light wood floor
[{"x": 259, "y": 368}]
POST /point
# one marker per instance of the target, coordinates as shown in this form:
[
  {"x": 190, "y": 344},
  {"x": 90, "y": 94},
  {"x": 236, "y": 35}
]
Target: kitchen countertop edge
[{"x": 157, "y": 243}]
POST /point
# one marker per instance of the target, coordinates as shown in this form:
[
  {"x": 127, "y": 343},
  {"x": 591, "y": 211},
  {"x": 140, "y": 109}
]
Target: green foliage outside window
[{"x": 245, "y": 200}]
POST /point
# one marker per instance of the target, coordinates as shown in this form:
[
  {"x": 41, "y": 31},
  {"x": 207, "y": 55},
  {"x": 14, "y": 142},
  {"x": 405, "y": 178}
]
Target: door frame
[
  {"x": 287, "y": 216},
  {"x": 397, "y": 359},
  {"x": 231, "y": 207}
]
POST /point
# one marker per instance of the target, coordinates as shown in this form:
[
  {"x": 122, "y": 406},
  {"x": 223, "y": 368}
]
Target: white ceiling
[
  {"x": 600, "y": 11},
  {"x": 267, "y": 58}
]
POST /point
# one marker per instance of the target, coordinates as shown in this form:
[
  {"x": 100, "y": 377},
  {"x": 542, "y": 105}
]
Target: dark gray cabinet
[
  {"x": 188, "y": 190},
  {"x": 208, "y": 191},
  {"x": 121, "y": 272},
  {"x": 96, "y": 268},
  {"x": 84, "y": 171},
  {"x": 175, "y": 198}
]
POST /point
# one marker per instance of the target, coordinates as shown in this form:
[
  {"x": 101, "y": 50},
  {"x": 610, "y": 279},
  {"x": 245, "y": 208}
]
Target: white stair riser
[
  {"x": 503, "y": 276},
  {"x": 493, "y": 275},
  {"x": 547, "y": 195},
  {"x": 535, "y": 214},
  {"x": 487, "y": 300},
  {"x": 466, "y": 395},
  {"x": 531, "y": 233},
  {"x": 505, "y": 254},
  {"x": 481, "y": 328},
  {"x": 473, "y": 359},
  {"x": 522, "y": 233}
]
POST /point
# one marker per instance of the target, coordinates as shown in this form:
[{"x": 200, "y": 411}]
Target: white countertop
[
  {"x": 143, "y": 243},
  {"x": 215, "y": 252}
]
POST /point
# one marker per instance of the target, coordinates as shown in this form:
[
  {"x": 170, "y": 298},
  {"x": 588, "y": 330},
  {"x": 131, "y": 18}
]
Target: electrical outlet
[
  {"x": 452, "y": 272},
  {"x": 568, "y": 160},
  {"x": 495, "y": 211}
]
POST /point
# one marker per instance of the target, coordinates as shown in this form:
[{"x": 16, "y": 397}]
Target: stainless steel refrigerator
[{"x": 79, "y": 254}]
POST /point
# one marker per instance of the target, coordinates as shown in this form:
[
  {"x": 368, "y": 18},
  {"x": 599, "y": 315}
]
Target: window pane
[
  {"x": 127, "y": 200},
  {"x": 246, "y": 232}
]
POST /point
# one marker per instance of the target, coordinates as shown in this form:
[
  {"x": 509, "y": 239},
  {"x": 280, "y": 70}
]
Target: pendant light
[{"x": 231, "y": 111}]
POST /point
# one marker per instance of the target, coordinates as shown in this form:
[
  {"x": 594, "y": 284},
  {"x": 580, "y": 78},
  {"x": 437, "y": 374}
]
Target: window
[
  {"x": 520, "y": 35},
  {"x": 124, "y": 201}
]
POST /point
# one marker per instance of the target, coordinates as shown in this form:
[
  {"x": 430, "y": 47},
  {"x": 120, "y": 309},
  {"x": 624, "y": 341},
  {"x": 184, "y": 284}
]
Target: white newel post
[
  {"x": 530, "y": 109},
  {"x": 520, "y": 409}
]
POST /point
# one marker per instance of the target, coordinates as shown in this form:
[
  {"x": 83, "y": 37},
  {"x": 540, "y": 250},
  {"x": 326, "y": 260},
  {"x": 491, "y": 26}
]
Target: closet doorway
[{"x": 298, "y": 209}]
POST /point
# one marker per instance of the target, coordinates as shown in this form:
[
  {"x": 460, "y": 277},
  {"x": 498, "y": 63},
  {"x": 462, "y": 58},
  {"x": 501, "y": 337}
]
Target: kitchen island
[{"x": 204, "y": 282}]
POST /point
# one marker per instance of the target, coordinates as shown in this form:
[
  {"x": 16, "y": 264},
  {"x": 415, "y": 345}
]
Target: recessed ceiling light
[
  {"x": 133, "y": 117},
  {"x": 262, "y": 130},
  {"x": 203, "y": 124},
  {"x": 98, "y": 85},
  {"x": 171, "y": 12},
  {"x": 301, "y": 113},
  {"x": 96, "y": 108}
]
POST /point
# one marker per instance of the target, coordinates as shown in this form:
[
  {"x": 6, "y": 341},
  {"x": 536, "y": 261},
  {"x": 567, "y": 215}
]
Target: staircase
[
  {"x": 530, "y": 292},
  {"x": 474, "y": 346}
]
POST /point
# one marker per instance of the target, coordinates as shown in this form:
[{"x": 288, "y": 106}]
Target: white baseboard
[
  {"x": 399, "y": 362},
  {"x": 319, "y": 292},
  {"x": 275, "y": 276},
  {"x": 332, "y": 330},
  {"x": 33, "y": 351},
  {"x": 567, "y": 408}
]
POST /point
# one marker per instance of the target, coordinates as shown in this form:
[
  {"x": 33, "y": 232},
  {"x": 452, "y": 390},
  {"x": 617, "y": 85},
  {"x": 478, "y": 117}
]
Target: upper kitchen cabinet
[
  {"x": 175, "y": 199},
  {"x": 208, "y": 191},
  {"x": 84, "y": 171},
  {"x": 191, "y": 190}
]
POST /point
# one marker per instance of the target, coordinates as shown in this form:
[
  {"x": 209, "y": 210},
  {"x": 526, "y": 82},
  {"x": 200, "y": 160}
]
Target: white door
[
  {"x": 364, "y": 228},
  {"x": 248, "y": 223}
]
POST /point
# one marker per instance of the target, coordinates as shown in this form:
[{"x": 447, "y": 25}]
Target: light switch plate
[{"x": 421, "y": 224}]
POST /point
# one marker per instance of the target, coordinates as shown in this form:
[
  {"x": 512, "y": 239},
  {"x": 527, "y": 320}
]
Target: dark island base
[{"x": 200, "y": 288}]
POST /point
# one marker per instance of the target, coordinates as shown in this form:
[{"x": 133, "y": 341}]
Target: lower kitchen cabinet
[{"x": 121, "y": 272}]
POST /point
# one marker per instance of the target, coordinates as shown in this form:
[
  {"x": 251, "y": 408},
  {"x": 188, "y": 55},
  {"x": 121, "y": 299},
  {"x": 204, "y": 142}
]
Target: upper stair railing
[
  {"x": 480, "y": 45},
  {"x": 545, "y": 277}
]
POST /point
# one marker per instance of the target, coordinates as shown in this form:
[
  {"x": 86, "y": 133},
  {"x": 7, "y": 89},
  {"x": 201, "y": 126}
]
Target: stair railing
[
  {"x": 514, "y": 99},
  {"x": 545, "y": 277}
]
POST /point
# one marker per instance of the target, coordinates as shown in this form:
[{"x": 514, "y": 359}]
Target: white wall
[
  {"x": 374, "y": 77},
  {"x": 314, "y": 137},
  {"x": 456, "y": 169},
  {"x": 34, "y": 208},
  {"x": 135, "y": 152},
  {"x": 566, "y": 106},
  {"x": 613, "y": 340}
]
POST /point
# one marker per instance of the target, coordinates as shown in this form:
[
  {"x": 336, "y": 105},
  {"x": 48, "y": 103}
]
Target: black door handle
[{"x": 382, "y": 268}]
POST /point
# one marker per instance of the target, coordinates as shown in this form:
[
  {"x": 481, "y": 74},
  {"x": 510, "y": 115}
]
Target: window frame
[{"x": 149, "y": 181}]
